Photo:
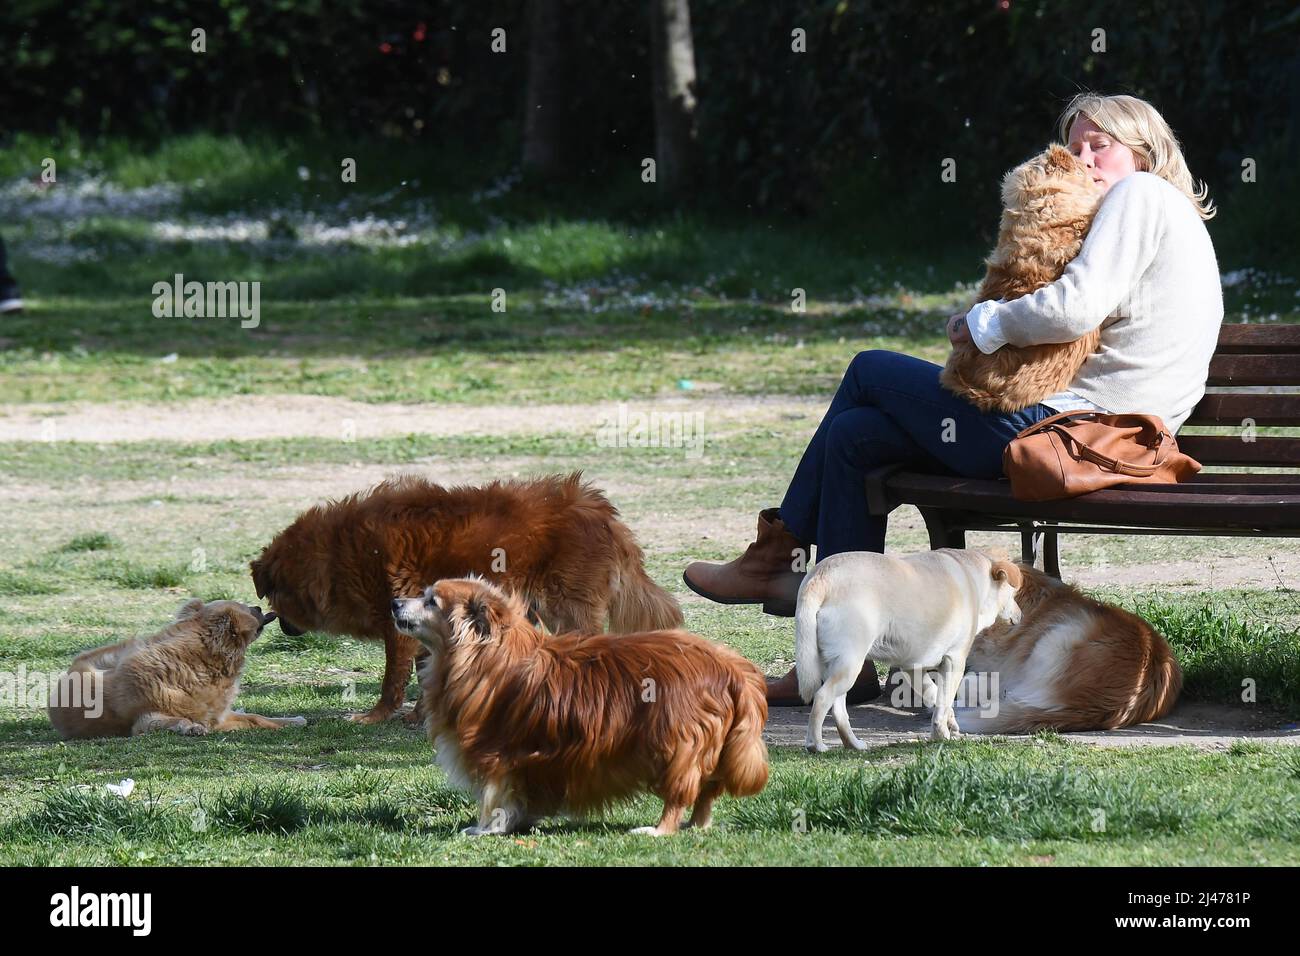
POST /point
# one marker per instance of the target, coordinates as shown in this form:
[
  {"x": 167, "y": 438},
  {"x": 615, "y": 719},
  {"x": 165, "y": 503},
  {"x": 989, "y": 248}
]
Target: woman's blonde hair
[{"x": 1139, "y": 126}]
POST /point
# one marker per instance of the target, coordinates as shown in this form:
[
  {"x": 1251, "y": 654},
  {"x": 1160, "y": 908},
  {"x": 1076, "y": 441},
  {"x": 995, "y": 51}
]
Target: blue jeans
[{"x": 889, "y": 408}]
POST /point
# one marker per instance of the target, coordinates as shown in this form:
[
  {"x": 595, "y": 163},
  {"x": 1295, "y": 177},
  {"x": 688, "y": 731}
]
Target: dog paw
[
  {"x": 940, "y": 732},
  {"x": 192, "y": 730},
  {"x": 648, "y": 831},
  {"x": 415, "y": 718},
  {"x": 376, "y": 716},
  {"x": 815, "y": 748},
  {"x": 294, "y": 721},
  {"x": 476, "y": 831}
]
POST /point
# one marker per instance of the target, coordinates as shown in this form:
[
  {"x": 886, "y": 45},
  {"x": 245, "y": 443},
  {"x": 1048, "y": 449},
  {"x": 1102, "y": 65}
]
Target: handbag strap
[
  {"x": 1117, "y": 465},
  {"x": 1052, "y": 419},
  {"x": 1086, "y": 451}
]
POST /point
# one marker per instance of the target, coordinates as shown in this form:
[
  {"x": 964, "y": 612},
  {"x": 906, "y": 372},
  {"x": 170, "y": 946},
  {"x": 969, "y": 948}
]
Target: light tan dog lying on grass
[
  {"x": 921, "y": 611},
  {"x": 1048, "y": 205},
  {"x": 182, "y": 679}
]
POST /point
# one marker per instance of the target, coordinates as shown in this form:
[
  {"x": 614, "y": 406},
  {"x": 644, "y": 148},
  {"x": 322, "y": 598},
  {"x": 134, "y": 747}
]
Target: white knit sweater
[{"x": 1148, "y": 276}]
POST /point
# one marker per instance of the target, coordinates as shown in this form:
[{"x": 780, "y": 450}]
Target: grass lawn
[{"x": 385, "y": 296}]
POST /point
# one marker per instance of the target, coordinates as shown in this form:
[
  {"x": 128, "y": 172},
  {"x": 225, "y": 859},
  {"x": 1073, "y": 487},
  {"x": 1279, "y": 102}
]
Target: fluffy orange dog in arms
[
  {"x": 1048, "y": 205},
  {"x": 536, "y": 725}
]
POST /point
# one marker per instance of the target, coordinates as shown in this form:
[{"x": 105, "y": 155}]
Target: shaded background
[{"x": 859, "y": 123}]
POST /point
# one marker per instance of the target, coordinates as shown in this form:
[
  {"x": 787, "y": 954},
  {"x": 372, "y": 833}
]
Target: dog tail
[
  {"x": 742, "y": 764},
  {"x": 807, "y": 658},
  {"x": 636, "y": 602},
  {"x": 1160, "y": 691}
]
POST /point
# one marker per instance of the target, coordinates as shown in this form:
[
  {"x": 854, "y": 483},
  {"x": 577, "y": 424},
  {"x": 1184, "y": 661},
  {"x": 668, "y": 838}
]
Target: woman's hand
[{"x": 958, "y": 331}]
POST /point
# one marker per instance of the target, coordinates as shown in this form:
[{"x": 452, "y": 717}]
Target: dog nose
[{"x": 396, "y": 605}]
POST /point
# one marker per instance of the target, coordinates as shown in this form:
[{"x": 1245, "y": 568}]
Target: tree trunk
[
  {"x": 673, "y": 76},
  {"x": 543, "y": 140}
]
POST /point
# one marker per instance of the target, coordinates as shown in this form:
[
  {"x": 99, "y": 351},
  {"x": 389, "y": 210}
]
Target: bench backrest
[{"x": 1249, "y": 355}]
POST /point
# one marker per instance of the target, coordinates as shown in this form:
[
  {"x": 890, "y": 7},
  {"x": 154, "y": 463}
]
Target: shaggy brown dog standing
[
  {"x": 1048, "y": 205},
  {"x": 556, "y": 540},
  {"x": 182, "y": 679},
  {"x": 537, "y": 725}
]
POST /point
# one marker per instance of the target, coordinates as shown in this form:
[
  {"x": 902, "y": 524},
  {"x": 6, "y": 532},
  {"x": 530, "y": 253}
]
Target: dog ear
[
  {"x": 232, "y": 628},
  {"x": 478, "y": 617},
  {"x": 1007, "y": 571},
  {"x": 261, "y": 584},
  {"x": 189, "y": 609},
  {"x": 1060, "y": 159}
]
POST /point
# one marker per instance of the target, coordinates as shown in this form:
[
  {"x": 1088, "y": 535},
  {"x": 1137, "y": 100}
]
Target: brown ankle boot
[
  {"x": 784, "y": 691},
  {"x": 762, "y": 575}
]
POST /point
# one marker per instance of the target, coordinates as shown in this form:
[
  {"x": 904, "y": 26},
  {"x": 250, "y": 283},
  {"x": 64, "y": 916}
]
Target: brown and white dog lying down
[
  {"x": 556, "y": 540},
  {"x": 182, "y": 679},
  {"x": 536, "y": 725},
  {"x": 1071, "y": 663}
]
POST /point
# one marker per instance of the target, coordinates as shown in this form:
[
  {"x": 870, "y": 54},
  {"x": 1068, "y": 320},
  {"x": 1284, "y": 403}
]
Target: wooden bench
[{"x": 1263, "y": 501}]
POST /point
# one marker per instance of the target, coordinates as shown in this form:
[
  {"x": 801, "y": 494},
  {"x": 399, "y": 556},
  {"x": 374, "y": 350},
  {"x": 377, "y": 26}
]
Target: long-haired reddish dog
[
  {"x": 536, "y": 725},
  {"x": 556, "y": 540}
]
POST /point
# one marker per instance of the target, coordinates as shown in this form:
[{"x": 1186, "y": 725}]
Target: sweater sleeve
[
  {"x": 984, "y": 327},
  {"x": 1120, "y": 246}
]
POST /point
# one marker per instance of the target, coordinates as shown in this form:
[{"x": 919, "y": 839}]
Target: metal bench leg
[
  {"x": 941, "y": 535},
  {"x": 1031, "y": 546},
  {"x": 1039, "y": 542},
  {"x": 1051, "y": 557}
]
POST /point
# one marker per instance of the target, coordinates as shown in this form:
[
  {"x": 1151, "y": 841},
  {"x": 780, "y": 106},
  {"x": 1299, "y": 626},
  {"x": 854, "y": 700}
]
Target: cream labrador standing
[{"x": 921, "y": 611}]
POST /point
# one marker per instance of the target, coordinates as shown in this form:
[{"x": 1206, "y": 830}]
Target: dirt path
[
  {"x": 249, "y": 417},
  {"x": 1240, "y": 562},
  {"x": 1205, "y": 726}
]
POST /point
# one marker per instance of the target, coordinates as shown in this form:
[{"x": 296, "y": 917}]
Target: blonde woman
[{"x": 1147, "y": 275}]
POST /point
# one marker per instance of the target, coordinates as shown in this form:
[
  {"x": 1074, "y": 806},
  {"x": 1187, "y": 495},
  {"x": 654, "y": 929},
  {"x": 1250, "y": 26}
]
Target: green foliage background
[{"x": 885, "y": 86}]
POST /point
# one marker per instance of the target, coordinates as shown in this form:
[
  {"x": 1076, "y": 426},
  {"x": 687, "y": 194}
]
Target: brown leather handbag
[{"x": 1073, "y": 453}]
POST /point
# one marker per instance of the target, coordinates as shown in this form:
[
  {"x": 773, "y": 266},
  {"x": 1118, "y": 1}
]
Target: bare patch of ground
[
  {"x": 1205, "y": 726},
  {"x": 249, "y": 417}
]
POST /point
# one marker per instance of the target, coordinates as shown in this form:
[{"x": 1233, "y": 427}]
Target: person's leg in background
[
  {"x": 856, "y": 441},
  {"x": 11, "y": 299},
  {"x": 893, "y": 410},
  {"x": 766, "y": 573},
  {"x": 936, "y": 425}
]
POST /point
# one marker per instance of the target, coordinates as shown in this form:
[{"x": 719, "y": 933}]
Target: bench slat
[
  {"x": 1280, "y": 478},
  {"x": 1244, "y": 337},
  {"x": 1272, "y": 452},
  {"x": 1232, "y": 408},
  {"x": 1159, "y": 506},
  {"x": 1272, "y": 369}
]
